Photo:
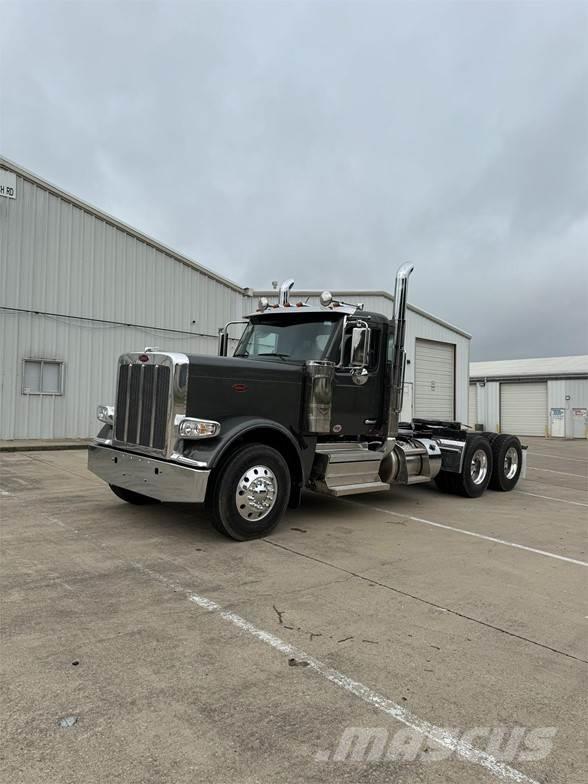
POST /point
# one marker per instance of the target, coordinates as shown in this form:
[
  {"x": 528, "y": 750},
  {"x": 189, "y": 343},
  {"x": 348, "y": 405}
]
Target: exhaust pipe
[
  {"x": 285, "y": 292},
  {"x": 398, "y": 355}
]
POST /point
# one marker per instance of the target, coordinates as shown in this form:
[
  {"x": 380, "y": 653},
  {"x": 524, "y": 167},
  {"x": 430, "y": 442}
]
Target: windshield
[{"x": 296, "y": 338}]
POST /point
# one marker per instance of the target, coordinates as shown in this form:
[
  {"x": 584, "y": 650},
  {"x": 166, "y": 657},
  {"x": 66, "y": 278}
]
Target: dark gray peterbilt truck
[{"x": 311, "y": 398}]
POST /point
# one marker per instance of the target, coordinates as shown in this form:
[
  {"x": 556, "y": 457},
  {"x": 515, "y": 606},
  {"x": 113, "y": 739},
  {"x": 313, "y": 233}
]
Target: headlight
[
  {"x": 105, "y": 414},
  {"x": 198, "y": 428}
]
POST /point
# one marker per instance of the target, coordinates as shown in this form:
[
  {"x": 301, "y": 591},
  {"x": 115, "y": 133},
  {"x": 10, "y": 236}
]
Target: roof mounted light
[{"x": 326, "y": 299}]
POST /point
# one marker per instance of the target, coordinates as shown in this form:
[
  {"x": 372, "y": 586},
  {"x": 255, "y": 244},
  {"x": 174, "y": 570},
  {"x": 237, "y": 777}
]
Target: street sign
[{"x": 7, "y": 184}]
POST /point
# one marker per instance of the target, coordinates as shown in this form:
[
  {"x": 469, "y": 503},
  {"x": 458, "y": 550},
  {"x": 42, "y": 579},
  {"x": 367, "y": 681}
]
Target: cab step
[
  {"x": 347, "y": 468},
  {"x": 364, "y": 487}
]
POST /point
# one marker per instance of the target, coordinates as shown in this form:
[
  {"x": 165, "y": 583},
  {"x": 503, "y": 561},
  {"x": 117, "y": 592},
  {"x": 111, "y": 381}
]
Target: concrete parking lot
[{"x": 140, "y": 646}]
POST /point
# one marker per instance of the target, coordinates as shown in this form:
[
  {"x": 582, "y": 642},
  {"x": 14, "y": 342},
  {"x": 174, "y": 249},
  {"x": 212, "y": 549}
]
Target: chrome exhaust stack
[
  {"x": 285, "y": 292},
  {"x": 398, "y": 355}
]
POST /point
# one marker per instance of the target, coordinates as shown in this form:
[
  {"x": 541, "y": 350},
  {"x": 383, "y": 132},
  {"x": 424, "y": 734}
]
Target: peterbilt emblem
[
  {"x": 240, "y": 387},
  {"x": 143, "y": 358}
]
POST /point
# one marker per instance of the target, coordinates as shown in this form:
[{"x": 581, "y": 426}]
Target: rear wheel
[
  {"x": 250, "y": 494},
  {"x": 131, "y": 497},
  {"x": 508, "y": 462},
  {"x": 477, "y": 468}
]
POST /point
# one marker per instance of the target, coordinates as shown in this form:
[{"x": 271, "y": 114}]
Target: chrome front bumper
[{"x": 146, "y": 475}]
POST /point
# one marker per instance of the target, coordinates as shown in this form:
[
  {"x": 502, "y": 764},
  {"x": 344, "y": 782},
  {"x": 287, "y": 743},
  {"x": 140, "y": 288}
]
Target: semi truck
[{"x": 310, "y": 399}]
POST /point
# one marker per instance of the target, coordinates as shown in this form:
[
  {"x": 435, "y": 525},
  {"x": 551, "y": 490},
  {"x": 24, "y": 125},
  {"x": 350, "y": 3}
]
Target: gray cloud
[{"x": 329, "y": 141}]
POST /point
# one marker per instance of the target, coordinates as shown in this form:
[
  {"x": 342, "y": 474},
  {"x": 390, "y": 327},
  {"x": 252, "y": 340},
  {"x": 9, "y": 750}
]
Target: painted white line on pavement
[
  {"x": 5, "y": 492},
  {"x": 437, "y": 734},
  {"x": 466, "y": 532},
  {"x": 558, "y": 457},
  {"x": 550, "y": 498},
  {"x": 561, "y": 473}
]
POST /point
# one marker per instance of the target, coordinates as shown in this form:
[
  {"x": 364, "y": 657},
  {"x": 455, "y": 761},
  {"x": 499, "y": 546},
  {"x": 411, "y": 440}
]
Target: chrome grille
[{"x": 142, "y": 405}]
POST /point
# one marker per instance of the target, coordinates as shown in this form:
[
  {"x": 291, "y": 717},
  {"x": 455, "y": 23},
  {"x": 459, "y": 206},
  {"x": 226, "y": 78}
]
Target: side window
[
  {"x": 42, "y": 377},
  {"x": 390, "y": 353},
  {"x": 374, "y": 353}
]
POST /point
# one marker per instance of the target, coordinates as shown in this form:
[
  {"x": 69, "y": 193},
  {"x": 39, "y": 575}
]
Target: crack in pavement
[{"x": 427, "y": 602}]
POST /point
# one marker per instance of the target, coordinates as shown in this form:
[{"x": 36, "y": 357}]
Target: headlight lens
[
  {"x": 105, "y": 414},
  {"x": 198, "y": 428}
]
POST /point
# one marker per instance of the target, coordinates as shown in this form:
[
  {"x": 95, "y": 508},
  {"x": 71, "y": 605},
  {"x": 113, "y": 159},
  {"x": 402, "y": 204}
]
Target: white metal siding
[
  {"x": 473, "y": 406},
  {"x": 523, "y": 409},
  {"x": 434, "y": 379},
  {"x": 59, "y": 260}
]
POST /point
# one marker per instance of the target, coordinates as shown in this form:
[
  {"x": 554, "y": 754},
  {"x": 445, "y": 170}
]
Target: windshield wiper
[
  {"x": 273, "y": 354},
  {"x": 242, "y": 354}
]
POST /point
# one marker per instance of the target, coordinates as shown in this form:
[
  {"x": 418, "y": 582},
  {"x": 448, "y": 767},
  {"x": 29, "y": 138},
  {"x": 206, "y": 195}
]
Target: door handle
[{"x": 369, "y": 421}]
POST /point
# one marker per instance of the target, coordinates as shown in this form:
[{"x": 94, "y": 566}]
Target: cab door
[{"x": 358, "y": 399}]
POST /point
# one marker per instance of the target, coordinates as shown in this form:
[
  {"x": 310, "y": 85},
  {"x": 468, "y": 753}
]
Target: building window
[{"x": 42, "y": 377}]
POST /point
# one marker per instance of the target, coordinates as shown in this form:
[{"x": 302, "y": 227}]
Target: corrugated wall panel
[
  {"x": 473, "y": 406},
  {"x": 58, "y": 258},
  {"x": 89, "y": 353},
  {"x": 66, "y": 260},
  {"x": 566, "y": 393}
]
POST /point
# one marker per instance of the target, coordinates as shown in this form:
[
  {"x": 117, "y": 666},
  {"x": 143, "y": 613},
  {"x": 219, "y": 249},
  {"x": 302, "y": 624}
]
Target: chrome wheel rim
[
  {"x": 479, "y": 466},
  {"x": 256, "y": 493},
  {"x": 511, "y": 463}
]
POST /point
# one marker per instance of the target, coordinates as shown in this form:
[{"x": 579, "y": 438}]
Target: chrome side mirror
[
  {"x": 360, "y": 347},
  {"x": 223, "y": 338},
  {"x": 223, "y": 342}
]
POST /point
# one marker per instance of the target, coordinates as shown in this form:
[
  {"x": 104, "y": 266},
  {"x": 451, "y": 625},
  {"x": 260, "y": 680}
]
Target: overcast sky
[{"x": 329, "y": 142}]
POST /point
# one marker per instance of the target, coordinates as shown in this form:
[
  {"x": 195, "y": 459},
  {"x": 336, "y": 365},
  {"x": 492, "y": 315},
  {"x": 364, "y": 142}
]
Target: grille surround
[{"x": 149, "y": 396}]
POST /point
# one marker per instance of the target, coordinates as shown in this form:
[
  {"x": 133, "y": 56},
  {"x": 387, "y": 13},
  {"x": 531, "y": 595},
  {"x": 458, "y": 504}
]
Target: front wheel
[
  {"x": 477, "y": 468},
  {"x": 250, "y": 494}
]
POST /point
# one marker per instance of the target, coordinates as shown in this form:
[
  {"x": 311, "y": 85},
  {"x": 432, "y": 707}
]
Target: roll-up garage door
[
  {"x": 473, "y": 406},
  {"x": 434, "y": 395},
  {"x": 523, "y": 409}
]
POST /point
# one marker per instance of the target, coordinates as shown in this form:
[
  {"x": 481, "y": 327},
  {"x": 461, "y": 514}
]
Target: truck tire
[
  {"x": 133, "y": 498},
  {"x": 477, "y": 468},
  {"x": 250, "y": 494},
  {"x": 508, "y": 462}
]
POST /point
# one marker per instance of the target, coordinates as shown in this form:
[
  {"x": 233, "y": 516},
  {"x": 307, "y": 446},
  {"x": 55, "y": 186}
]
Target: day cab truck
[{"x": 311, "y": 398}]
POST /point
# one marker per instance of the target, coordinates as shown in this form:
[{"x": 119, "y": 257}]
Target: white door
[
  {"x": 473, "y": 406},
  {"x": 523, "y": 409},
  {"x": 580, "y": 420},
  {"x": 434, "y": 393}
]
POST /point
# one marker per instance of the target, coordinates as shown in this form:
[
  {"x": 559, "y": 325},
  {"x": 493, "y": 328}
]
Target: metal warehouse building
[
  {"x": 78, "y": 287},
  {"x": 531, "y": 397}
]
